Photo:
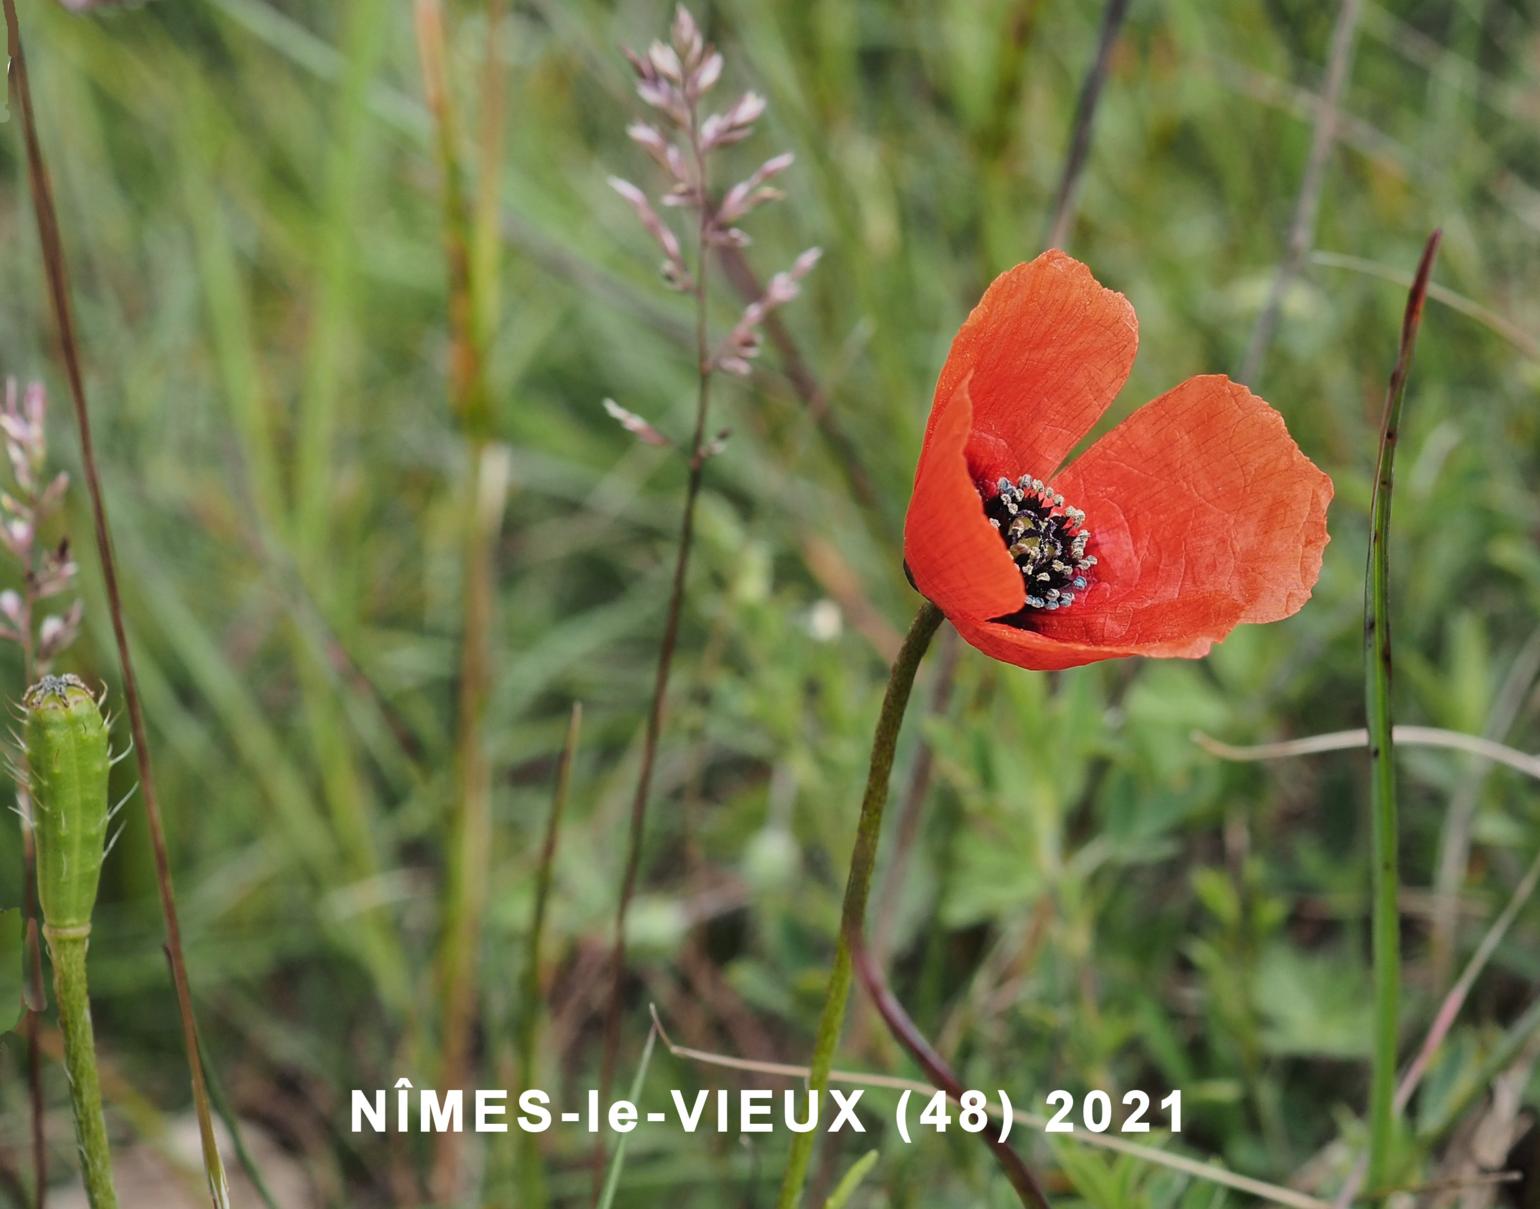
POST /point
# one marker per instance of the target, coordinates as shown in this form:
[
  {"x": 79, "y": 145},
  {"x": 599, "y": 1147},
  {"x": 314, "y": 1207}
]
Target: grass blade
[
  {"x": 618, "y": 1159},
  {"x": 485, "y": 493},
  {"x": 243, "y": 1155},
  {"x": 529, "y": 1010},
  {"x": 847, "y": 1186}
]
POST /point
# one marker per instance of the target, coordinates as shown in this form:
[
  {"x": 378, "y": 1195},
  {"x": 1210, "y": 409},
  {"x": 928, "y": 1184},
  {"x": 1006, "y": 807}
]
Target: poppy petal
[
  {"x": 1204, "y": 514},
  {"x": 1040, "y": 652},
  {"x": 954, "y": 554},
  {"x": 1045, "y": 352}
]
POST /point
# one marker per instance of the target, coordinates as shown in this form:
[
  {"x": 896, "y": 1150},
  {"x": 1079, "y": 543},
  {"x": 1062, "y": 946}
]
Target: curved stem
[
  {"x": 858, "y": 883},
  {"x": 69, "y": 987}
]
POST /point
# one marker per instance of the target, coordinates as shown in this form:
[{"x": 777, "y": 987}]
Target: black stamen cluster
[{"x": 1046, "y": 538}]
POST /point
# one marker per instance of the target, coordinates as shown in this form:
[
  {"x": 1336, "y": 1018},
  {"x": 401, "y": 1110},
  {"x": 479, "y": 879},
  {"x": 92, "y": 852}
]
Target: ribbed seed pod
[
  {"x": 67, "y": 760},
  {"x": 67, "y": 764}
]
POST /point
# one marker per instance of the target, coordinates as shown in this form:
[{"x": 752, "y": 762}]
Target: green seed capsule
[{"x": 68, "y": 762}]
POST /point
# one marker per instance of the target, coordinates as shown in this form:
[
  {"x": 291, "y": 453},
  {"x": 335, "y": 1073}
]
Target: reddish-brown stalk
[
  {"x": 936, "y": 1069},
  {"x": 56, "y": 272}
]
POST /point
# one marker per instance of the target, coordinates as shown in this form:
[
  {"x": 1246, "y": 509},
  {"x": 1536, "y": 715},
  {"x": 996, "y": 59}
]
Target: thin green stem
[
  {"x": 618, "y": 1163},
  {"x": 858, "y": 882},
  {"x": 1386, "y": 923},
  {"x": 69, "y": 988}
]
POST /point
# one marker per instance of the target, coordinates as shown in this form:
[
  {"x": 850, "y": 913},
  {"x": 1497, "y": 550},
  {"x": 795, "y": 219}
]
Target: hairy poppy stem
[
  {"x": 69, "y": 988},
  {"x": 1386, "y": 925},
  {"x": 858, "y": 883}
]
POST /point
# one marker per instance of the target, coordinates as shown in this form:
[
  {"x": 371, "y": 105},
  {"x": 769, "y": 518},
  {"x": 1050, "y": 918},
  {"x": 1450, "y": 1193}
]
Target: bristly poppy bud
[{"x": 68, "y": 763}]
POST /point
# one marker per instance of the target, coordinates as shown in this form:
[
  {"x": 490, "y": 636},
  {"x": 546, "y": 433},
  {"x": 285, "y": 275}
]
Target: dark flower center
[{"x": 1047, "y": 539}]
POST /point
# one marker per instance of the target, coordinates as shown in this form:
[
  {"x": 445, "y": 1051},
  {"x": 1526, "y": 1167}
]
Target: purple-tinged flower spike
[
  {"x": 682, "y": 141},
  {"x": 672, "y": 78}
]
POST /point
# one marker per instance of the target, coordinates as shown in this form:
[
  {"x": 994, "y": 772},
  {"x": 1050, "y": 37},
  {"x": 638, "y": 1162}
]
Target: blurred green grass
[{"x": 253, "y": 218}]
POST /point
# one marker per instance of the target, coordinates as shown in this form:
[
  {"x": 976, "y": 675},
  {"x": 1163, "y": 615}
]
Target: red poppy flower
[{"x": 1195, "y": 514}]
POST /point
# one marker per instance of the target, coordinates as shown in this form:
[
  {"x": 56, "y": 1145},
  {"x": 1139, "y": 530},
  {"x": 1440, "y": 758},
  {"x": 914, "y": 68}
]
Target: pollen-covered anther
[{"x": 1046, "y": 538}]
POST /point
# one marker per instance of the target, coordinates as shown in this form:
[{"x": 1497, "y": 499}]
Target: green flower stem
[
  {"x": 1386, "y": 919},
  {"x": 68, "y": 948},
  {"x": 858, "y": 883}
]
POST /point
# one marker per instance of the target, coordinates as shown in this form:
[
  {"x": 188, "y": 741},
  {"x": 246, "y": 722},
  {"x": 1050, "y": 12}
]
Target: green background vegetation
[{"x": 253, "y": 215}]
